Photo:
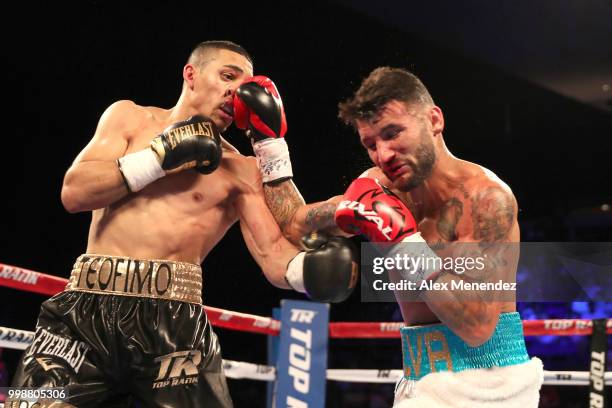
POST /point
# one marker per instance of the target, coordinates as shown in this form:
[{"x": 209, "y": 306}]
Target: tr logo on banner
[
  {"x": 302, "y": 316},
  {"x": 302, "y": 355}
]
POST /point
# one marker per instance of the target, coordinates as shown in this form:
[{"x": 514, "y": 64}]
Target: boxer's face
[
  {"x": 399, "y": 140},
  {"x": 216, "y": 81}
]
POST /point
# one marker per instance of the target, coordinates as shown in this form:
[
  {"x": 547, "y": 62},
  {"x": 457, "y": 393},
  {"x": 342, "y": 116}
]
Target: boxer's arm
[
  {"x": 94, "y": 180},
  {"x": 263, "y": 238},
  {"x": 258, "y": 109},
  {"x": 471, "y": 315},
  {"x": 326, "y": 271},
  {"x": 294, "y": 216}
]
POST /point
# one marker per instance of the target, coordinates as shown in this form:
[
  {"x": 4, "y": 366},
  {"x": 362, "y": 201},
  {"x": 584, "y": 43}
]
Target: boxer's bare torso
[
  {"x": 179, "y": 217},
  {"x": 460, "y": 213}
]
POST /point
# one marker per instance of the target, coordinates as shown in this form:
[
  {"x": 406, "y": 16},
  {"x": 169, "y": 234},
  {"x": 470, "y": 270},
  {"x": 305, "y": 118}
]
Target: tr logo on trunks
[
  {"x": 126, "y": 275},
  {"x": 178, "y": 368},
  {"x": 51, "y": 345},
  {"x": 436, "y": 348}
]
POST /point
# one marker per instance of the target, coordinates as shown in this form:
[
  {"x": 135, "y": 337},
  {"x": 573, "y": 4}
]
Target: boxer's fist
[
  {"x": 328, "y": 269},
  {"x": 258, "y": 108},
  {"x": 195, "y": 142},
  {"x": 370, "y": 209}
]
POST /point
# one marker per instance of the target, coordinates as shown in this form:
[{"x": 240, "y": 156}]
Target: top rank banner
[{"x": 302, "y": 355}]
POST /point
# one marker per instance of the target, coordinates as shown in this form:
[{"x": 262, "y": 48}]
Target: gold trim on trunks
[{"x": 154, "y": 278}]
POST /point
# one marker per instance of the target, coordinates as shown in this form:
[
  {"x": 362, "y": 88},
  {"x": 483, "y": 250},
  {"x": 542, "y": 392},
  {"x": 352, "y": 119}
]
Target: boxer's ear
[
  {"x": 189, "y": 74},
  {"x": 437, "y": 120}
]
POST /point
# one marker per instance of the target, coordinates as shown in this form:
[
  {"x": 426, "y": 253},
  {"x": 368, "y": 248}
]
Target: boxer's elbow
[
  {"x": 73, "y": 198},
  {"x": 274, "y": 267},
  {"x": 280, "y": 283},
  {"x": 70, "y": 200},
  {"x": 276, "y": 276},
  {"x": 70, "y": 194}
]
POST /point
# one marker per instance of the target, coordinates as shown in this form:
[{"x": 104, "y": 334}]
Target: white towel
[{"x": 498, "y": 387}]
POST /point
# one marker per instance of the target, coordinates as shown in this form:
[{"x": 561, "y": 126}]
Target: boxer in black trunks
[{"x": 163, "y": 188}]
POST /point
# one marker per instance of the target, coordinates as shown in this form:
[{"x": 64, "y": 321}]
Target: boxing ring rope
[
  {"x": 37, "y": 282},
  {"x": 19, "y": 339}
]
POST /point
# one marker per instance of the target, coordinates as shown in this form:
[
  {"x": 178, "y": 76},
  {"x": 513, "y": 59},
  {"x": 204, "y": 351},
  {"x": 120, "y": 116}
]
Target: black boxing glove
[
  {"x": 327, "y": 271},
  {"x": 192, "y": 143}
]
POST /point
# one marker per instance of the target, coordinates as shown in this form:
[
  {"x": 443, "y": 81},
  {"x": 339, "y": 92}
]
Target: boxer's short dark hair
[
  {"x": 198, "y": 55},
  {"x": 384, "y": 84}
]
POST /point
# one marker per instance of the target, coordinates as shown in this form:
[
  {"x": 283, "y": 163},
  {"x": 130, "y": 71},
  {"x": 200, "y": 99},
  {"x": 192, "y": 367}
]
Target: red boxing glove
[
  {"x": 258, "y": 108},
  {"x": 373, "y": 210}
]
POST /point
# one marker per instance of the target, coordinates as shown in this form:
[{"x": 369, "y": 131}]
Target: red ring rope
[{"x": 31, "y": 281}]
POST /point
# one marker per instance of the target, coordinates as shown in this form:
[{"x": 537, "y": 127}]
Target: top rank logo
[
  {"x": 178, "y": 368},
  {"x": 302, "y": 315}
]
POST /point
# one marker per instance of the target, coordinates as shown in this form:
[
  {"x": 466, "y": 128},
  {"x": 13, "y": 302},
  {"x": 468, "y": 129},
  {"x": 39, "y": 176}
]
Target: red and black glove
[
  {"x": 373, "y": 210},
  {"x": 258, "y": 109}
]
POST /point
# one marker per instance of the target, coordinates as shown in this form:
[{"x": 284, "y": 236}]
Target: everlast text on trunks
[{"x": 137, "y": 277}]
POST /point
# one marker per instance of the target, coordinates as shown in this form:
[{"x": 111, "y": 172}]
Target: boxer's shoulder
[
  {"x": 492, "y": 205},
  {"x": 243, "y": 170},
  {"x": 483, "y": 183},
  {"x": 128, "y": 119},
  {"x": 128, "y": 111},
  {"x": 479, "y": 205}
]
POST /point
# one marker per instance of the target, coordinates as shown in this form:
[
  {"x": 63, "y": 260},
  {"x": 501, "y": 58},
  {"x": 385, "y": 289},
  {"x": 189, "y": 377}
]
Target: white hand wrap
[
  {"x": 425, "y": 261},
  {"x": 140, "y": 168},
  {"x": 295, "y": 273},
  {"x": 273, "y": 158}
]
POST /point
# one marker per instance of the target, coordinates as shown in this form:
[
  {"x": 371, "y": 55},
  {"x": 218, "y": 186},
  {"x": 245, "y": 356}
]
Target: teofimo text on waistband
[{"x": 137, "y": 277}]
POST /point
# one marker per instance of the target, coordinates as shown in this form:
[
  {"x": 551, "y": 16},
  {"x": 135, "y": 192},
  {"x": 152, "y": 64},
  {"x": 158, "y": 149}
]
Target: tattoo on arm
[
  {"x": 283, "y": 199},
  {"x": 492, "y": 214},
  {"x": 321, "y": 217},
  {"x": 473, "y": 314},
  {"x": 450, "y": 214}
]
